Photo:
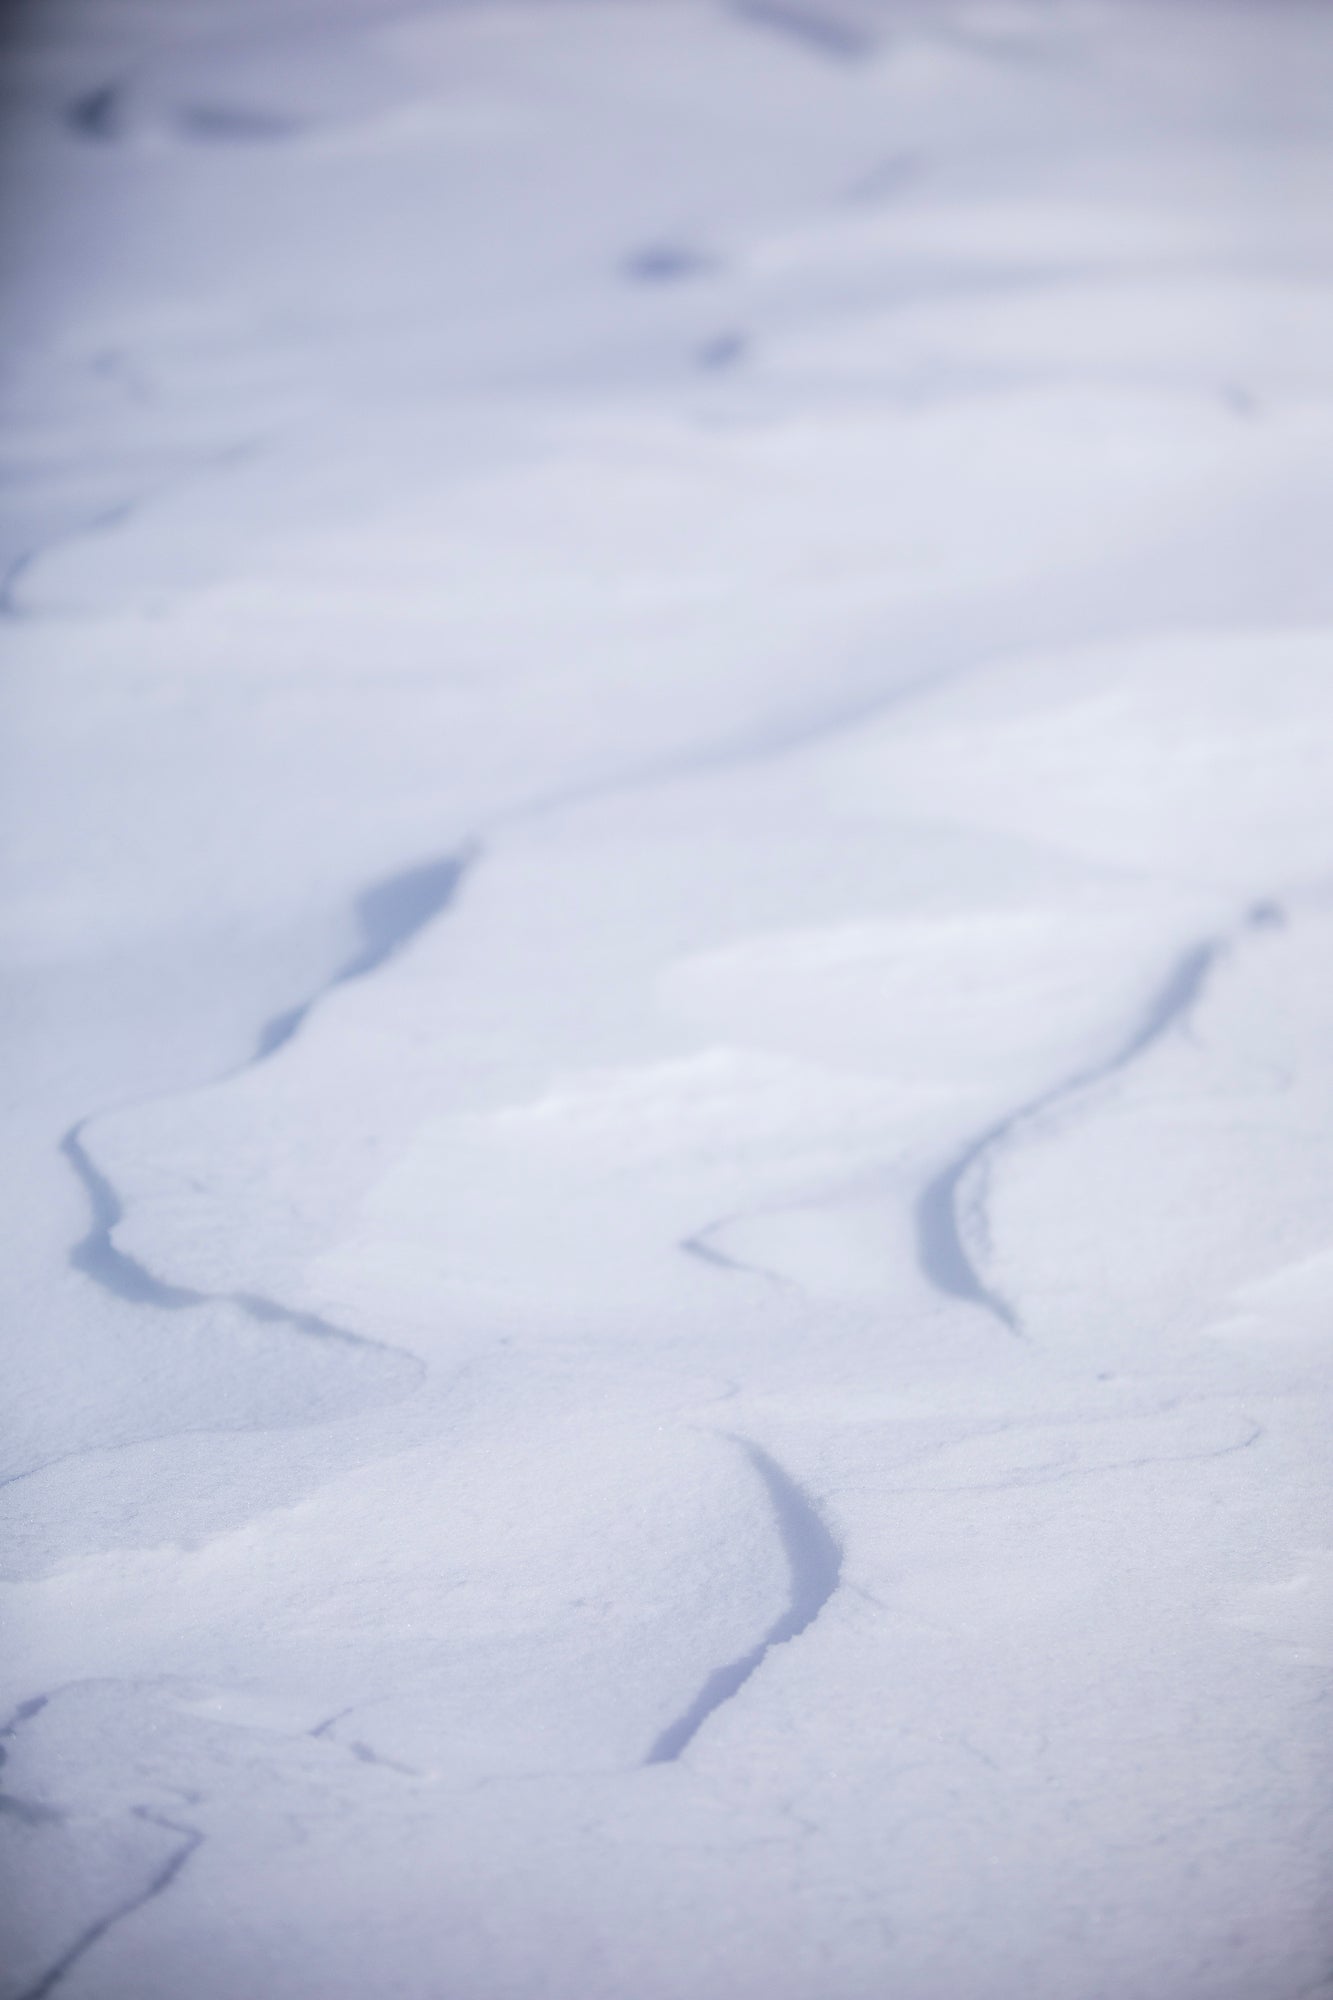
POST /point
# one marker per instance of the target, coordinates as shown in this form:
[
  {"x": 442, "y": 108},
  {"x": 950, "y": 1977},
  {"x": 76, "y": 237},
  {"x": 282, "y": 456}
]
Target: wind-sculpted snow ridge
[
  {"x": 98, "y": 1257},
  {"x": 814, "y": 1562},
  {"x": 942, "y": 1254},
  {"x": 388, "y": 915}
]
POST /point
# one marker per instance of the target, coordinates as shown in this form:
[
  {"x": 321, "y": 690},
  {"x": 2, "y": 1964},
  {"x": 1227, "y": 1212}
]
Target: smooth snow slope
[{"x": 669, "y": 930}]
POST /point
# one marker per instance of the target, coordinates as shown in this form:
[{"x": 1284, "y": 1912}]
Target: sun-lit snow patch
[{"x": 1202, "y": 756}]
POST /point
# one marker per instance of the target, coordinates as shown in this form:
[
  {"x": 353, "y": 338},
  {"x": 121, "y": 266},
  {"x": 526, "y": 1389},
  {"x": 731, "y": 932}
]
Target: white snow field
[{"x": 668, "y": 910}]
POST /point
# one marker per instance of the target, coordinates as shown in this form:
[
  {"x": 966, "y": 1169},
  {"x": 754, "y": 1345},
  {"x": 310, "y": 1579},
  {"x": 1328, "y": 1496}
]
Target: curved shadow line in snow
[
  {"x": 814, "y": 1562},
  {"x": 159, "y": 1882},
  {"x": 942, "y": 1255},
  {"x": 700, "y": 1247},
  {"x": 161, "y": 1879},
  {"x": 389, "y": 915}
]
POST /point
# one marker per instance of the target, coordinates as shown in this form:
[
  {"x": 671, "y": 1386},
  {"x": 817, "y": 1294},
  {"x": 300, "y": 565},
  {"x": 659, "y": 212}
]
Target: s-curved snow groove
[
  {"x": 942, "y": 1254},
  {"x": 98, "y": 1257},
  {"x": 814, "y": 1563}
]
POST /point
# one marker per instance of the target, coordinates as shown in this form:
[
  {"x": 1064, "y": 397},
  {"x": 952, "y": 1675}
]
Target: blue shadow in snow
[
  {"x": 814, "y": 1564},
  {"x": 388, "y": 915}
]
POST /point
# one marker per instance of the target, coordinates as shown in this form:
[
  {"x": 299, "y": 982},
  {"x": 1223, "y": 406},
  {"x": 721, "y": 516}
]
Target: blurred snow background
[{"x": 668, "y": 733}]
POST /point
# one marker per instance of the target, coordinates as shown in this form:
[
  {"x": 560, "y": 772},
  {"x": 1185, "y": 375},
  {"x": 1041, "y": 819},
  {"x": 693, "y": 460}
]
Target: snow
[{"x": 667, "y": 915}]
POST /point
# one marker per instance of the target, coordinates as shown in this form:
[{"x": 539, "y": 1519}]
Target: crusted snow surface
[{"x": 668, "y": 919}]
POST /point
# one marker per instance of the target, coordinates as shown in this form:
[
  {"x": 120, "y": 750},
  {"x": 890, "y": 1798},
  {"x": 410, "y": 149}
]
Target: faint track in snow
[
  {"x": 942, "y": 1252},
  {"x": 814, "y": 1562}
]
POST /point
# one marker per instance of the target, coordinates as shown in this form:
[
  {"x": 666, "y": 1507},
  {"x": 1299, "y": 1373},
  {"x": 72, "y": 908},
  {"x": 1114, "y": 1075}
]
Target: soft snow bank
[{"x": 669, "y": 740}]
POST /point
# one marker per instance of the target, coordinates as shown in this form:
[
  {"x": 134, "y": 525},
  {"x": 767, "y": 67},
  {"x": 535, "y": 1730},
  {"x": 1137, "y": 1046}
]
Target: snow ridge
[
  {"x": 388, "y": 916},
  {"x": 97, "y": 1256},
  {"x": 942, "y": 1253},
  {"x": 814, "y": 1562}
]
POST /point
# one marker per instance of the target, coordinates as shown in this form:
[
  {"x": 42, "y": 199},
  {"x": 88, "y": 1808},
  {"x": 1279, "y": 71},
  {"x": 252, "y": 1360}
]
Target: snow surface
[{"x": 669, "y": 922}]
